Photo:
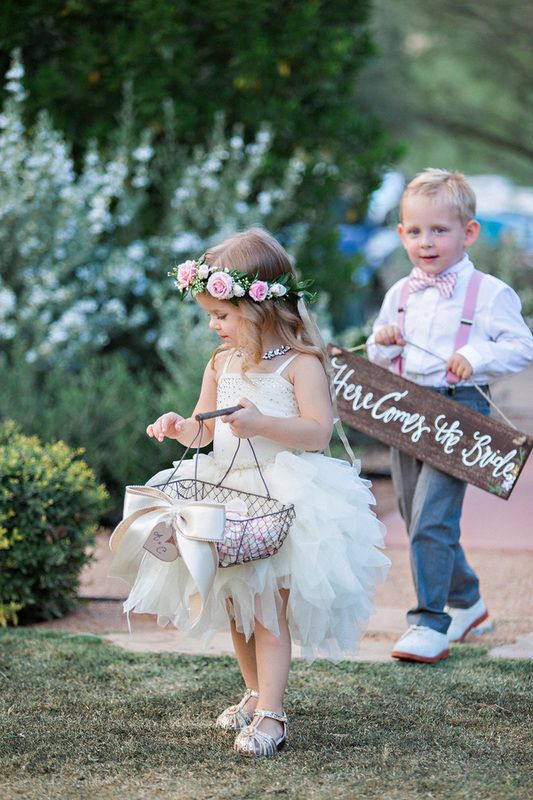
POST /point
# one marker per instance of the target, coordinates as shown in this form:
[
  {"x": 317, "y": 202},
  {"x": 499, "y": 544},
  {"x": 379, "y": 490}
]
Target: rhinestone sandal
[
  {"x": 236, "y": 717},
  {"x": 252, "y": 742}
]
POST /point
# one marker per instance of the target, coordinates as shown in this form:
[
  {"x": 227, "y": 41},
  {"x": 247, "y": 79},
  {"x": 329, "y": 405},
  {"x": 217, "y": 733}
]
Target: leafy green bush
[
  {"x": 79, "y": 272},
  {"x": 292, "y": 63},
  {"x": 104, "y": 406},
  {"x": 49, "y": 504}
]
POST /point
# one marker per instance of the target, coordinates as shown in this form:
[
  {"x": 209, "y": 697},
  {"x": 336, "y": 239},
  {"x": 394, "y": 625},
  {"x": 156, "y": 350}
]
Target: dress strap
[
  {"x": 286, "y": 363},
  {"x": 226, "y": 362}
]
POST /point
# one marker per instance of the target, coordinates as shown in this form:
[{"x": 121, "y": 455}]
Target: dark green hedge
[{"x": 293, "y": 63}]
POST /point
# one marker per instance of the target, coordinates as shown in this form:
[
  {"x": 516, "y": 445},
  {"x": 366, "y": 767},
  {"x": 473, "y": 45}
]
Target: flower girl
[{"x": 316, "y": 589}]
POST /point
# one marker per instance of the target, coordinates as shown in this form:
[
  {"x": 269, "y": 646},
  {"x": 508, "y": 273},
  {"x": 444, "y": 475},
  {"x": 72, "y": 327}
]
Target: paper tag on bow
[{"x": 162, "y": 542}]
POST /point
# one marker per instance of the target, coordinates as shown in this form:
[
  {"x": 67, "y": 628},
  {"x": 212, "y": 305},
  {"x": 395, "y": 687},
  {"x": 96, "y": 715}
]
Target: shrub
[
  {"x": 49, "y": 504},
  {"x": 79, "y": 274},
  {"x": 104, "y": 406}
]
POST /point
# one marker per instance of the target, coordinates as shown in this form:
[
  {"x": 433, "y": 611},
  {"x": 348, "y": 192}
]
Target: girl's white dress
[{"x": 330, "y": 561}]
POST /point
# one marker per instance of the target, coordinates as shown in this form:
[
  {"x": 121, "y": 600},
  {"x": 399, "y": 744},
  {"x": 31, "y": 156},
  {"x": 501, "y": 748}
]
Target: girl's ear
[{"x": 472, "y": 229}]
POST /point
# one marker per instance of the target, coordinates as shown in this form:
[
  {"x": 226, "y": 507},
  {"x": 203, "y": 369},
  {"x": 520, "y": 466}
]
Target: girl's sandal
[
  {"x": 236, "y": 717},
  {"x": 252, "y": 742}
]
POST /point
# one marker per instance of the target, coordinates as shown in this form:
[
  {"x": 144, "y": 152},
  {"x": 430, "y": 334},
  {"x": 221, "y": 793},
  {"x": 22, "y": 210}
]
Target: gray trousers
[{"x": 430, "y": 503}]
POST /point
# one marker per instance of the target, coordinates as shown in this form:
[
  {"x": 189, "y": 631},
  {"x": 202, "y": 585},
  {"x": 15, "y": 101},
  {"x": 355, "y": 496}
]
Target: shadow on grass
[{"x": 81, "y": 718}]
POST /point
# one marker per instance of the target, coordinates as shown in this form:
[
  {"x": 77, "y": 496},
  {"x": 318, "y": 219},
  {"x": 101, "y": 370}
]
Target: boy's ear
[
  {"x": 472, "y": 229},
  {"x": 400, "y": 230}
]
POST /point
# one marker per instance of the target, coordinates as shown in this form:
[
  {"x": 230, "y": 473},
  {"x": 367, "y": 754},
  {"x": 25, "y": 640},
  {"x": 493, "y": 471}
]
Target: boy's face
[{"x": 432, "y": 233}]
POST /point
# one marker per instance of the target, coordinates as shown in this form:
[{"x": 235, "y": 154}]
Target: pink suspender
[
  {"x": 465, "y": 326},
  {"x": 400, "y": 320}
]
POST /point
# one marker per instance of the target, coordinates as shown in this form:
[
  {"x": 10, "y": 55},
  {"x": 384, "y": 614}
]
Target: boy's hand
[
  {"x": 245, "y": 422},
  {"x": 389, "y": 334},
  {"x": 460, "y": 366},
  {"x": 169, "y": 425}
]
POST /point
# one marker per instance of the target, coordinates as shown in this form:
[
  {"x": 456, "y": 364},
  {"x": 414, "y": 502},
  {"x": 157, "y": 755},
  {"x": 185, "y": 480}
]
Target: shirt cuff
[
  {"x": 383, "y": 352},
  {"x": 473, "y": 357}
]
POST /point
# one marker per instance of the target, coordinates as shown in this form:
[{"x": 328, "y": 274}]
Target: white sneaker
[
  {"x": 465, "y": 619},
  {"x": 421, "y": 643}
]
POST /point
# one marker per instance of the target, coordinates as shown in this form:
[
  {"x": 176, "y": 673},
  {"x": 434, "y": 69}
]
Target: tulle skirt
[{"x": 330, "y": 561}]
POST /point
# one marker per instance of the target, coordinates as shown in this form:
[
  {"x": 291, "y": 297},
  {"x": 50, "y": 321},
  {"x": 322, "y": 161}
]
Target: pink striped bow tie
[{"x": 418, "y": 280}]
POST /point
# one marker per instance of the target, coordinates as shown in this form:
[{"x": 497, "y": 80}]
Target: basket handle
[{"x": 219, "y": 412}]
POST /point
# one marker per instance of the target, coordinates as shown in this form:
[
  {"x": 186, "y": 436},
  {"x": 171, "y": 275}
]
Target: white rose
[
  {"x": 278, "y": 290},
  {"x": 238, "y": 291},
  {"x": 203, "y": 271}
]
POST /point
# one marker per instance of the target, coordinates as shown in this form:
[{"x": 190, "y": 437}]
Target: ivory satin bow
[{"x": 153, "y": 522}]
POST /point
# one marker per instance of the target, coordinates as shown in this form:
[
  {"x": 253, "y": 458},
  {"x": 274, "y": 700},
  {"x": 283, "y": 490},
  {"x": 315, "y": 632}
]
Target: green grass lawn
[{"x": 80, "y": 718}]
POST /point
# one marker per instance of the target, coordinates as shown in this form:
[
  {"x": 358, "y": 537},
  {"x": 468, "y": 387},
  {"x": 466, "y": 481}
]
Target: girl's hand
[
  {"x": 389, "y": 334},
  {"x": 460, "y": 366},
  {"x": 245, "y": 422},
  {"x": 169, "y": 425}
]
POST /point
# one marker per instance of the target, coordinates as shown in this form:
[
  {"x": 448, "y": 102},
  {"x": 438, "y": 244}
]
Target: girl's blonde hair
[
  {"x": 256, "y": 252},
  {"x": 453, "y": 185}
]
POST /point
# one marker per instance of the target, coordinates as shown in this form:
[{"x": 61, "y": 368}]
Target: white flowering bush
[{"x": 79, "y": 275}]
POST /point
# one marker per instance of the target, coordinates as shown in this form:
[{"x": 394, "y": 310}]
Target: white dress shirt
[{"x": 500, "y": 341}]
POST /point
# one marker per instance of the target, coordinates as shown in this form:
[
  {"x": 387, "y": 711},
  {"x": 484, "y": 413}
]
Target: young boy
[{"x": 437, "y": 224}]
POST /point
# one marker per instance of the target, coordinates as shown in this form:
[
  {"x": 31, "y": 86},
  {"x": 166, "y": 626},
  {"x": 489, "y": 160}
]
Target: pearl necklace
[{"x": 278, "y": 351}]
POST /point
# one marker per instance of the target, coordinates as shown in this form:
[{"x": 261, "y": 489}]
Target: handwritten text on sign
[{"x": 424, "y": 424}]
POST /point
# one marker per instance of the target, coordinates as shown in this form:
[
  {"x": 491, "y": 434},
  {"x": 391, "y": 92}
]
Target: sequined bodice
[{"x": 272, "y": 394}]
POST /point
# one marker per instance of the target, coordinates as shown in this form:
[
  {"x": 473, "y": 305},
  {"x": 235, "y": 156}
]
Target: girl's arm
[
  {"x": 311, "y": 430},
  {"x": 174, "y": 426}
]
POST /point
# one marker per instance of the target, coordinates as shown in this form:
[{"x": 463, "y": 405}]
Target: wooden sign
[{"x": 427, "y": 425}]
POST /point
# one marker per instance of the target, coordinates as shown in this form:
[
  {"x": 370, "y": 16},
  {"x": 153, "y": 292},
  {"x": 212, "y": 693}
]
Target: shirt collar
[{"x": 459, "y": 266}]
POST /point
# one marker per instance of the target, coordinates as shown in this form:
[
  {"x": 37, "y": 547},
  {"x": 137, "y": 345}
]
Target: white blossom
[
  {"x": 186, "y": 243},
  {"x": 136, "y": 251},
  {"x": 8, "y": 302},
  {"x": 143, "y": 153},
  {"x": 243, "y": 188},
  {"x": 208, "y": 182}
]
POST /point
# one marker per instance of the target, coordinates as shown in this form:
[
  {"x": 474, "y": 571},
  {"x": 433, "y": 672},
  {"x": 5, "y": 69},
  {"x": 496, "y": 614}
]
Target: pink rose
[
  {"x": 220, "y": 285},
  {"x": 187, "y": 272},
  {"x": 258, "y": 291}
]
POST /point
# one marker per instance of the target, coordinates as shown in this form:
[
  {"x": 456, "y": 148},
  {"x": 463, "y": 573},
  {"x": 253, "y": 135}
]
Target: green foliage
[
  {"x": 293, "y": 65},
  {"x": 507, "y": 262},
  {"x": 104, "y": 407},
  {"x": 454, "y": 81},
  {"x": 49, "y": 504},
  {"x": 79, "y": 274}
]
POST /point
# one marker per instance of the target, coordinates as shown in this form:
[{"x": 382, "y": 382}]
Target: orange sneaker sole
[
  {"x": 476, "y": 622},
  {"x": 424, "y": 659}
]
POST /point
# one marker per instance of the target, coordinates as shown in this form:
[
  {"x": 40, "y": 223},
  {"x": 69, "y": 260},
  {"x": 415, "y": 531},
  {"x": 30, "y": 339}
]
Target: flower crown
[{"x": 221, "y": 283}]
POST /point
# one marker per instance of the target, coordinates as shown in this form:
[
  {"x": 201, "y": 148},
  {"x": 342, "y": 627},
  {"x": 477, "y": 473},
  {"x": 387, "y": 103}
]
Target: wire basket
[{"x": 257, "y": 535}]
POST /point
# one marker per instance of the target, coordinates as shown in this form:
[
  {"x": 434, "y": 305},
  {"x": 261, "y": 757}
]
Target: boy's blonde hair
[
  {"x": 453, "y": 186},
  {"x": 257, "y": 252}
]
